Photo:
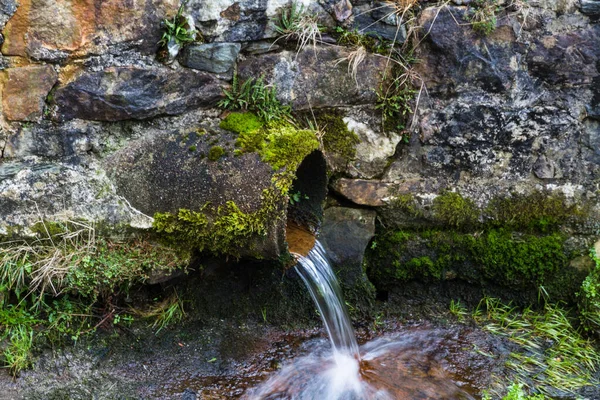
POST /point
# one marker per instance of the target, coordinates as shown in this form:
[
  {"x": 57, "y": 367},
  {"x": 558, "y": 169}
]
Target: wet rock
[
  {"x": 47, "y": 29},
  {"x": 345, "y": 234},
  {"x": 363, "y": 192},
  {"x": 25, "y": 92},
  {"x": 120, "y": 93},
  {"x": 590, "y": 7},
  {"x": 218, "y": 58},
  {"x": 317, "y": 78}
]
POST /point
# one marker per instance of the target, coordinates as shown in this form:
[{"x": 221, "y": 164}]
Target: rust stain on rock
[
  {"x": 25, "y": 91},
  {"x": 232, "y": 12}
]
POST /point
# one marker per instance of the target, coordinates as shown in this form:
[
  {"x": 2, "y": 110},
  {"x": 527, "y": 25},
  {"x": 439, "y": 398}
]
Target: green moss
[
  {"x": 286, "y": 146},
  {"x": 407, "y": 204},
  {"x": 219, "y": 230},
  {"x": 496, "y": 256},
  {"x": 215, "y": 153},
  {"x": 242, "y": 123},
  {"x": 192, "y": 148},
  {"x": 281, "y": 145},
  {"x": 538, "y": 211},
  {"x": 337, "y": 138},
  {"x": 452, "y": 209},
  {"x": 49, "y": 228}
]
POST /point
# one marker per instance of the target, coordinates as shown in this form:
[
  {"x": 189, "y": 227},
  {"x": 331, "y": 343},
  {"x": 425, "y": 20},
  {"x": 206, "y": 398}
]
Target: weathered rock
[
  {"x": 363, "y": 192},
  {"x": 44, "y": 29},
  {"x": 25, "y": 91},
  {"x": 246, "y": 20},
  {"x": 374, "y": 148},
  {"x": 7, "y": 9},
  {"x": 218, "y": 58},
  {"x": 453, "y": 54},
  {"x": 590, "y": 7},
  {"x": 380, "y": 20},
  {"x": 120, "y": 93},
  {"x": 317, "y": 78},
  {"x": 340, "y": 10},
  {"x": 345, "y": 234},
  {"x": 568, "y": 58},
  {"x": 34, "y": 191},
  {"x": 543, "y": 168}
]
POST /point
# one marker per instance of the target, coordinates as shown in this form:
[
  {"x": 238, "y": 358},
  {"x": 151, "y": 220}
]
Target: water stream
[{"x": 385, "y": 368}]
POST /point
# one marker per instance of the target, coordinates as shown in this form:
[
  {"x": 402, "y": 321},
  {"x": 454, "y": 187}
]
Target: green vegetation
[
  {"x": 454, "y": 210},
  {"x": 553, "y": 356},
  {"x": 500, "y": 256},
  {"x": 297, "y": 24},
  {"x": 589, "y": 298},
  {"x": 482, "y": 15},
  {"x": 538, "y": 211},
  {"x": 353, "y": 38},
  {"x": 337, "y": 138},
  {"x": 215, "y": 153},
  {"x": 253, "y": 95},
  {"x": 244, "y": 123},
  {"x": 393, "y": 99},
  {"x": 407, "y": 204},
  {"x": 177, "y": 29},
  {"x": 515, "y": 392},
  {"x": 53, "y": 287}
]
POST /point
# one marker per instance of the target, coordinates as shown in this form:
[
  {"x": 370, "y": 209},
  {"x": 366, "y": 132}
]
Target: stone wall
[{"x": 85, "y": 102}]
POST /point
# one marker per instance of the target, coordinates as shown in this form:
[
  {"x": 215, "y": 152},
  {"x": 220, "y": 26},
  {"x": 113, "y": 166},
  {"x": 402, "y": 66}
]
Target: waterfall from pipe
[
  {"x": 315, "y": 271},
  {"x": 383, "y": 369}
]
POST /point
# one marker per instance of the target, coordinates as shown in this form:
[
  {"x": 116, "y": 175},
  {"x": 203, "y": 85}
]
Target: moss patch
[
  {"x": 242, "y": 122},
  {"x": 215, "y": 153},
  {"x": 456, "y": 211},
  {"x": 337, "y": 138},
  {"x": 497, "y": 256},
  {"x": 539, "y": 211}
]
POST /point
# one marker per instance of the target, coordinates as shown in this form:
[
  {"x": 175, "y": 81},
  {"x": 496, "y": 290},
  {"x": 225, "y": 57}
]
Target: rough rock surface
[
  {"x": 120, "y": 93},
  {"x": 25, "y": 92},
  {"x": 363, "y": 192},
  {"x": 219, "y": 58},
  {"x": 318, "y": 77},
  {"x": 345, "y": 234}
]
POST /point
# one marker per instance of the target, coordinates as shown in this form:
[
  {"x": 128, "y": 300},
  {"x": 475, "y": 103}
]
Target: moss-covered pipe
[{"x": 235, "y": 204}]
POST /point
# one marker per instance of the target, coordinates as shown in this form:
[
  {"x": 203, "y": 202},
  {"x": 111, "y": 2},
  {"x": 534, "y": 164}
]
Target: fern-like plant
[{"x": 253, "y": 95}]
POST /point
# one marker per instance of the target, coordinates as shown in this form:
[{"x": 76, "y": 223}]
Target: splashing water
[{"x": 383, "y": 369}]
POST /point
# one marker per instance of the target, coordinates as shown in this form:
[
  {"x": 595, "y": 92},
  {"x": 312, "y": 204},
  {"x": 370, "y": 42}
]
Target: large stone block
[
  {"x": 120, "y": 93},
  {"x": 25, "y": 91},
  {"x": 218, "y": 58},
  {"x": 318, "y": 77},
  {"x": 51, "y": 29}
]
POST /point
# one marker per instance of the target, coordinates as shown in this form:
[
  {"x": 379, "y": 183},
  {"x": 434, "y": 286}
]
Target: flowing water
[{"x": 385, "y": 368}]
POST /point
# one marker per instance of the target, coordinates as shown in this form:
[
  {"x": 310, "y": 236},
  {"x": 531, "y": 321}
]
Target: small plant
[
  {"x": 482, "y": 15},
  {"x": 458, "y": 310},
  {"x": 168, "y": 312},
  {"x": 589, "y": 298},
  {"x": 296, "y": 197},
  {"x": 177, "y": 29},
  {"x": 254, "y": 95},
  {"x": 394, "y": 101},
  {"x": 297, "y": 24}
]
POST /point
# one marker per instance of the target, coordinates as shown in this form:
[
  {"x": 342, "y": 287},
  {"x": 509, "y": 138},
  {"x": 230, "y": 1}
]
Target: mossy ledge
[{"x": 227, "y": 228}]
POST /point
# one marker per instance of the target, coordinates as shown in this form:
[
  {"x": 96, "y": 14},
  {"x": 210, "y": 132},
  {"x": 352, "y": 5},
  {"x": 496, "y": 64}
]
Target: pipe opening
[{"x": 305, "y": 208}]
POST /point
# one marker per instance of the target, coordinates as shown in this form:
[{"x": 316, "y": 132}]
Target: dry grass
[{"x": 354, "y": 58}]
